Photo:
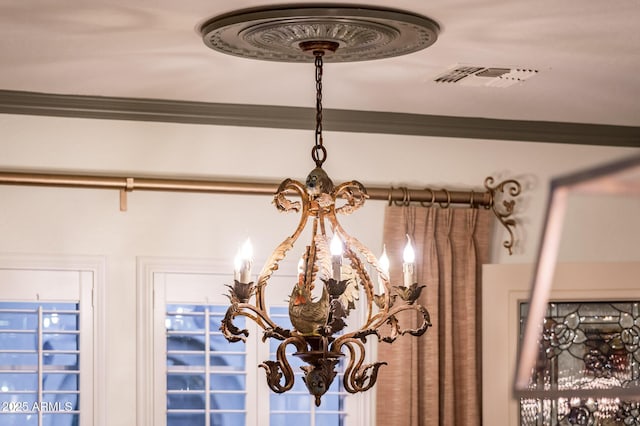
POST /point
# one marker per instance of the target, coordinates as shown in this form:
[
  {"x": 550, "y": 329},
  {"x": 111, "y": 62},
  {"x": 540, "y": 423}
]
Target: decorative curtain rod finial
[{"x": 511, "y": 188}]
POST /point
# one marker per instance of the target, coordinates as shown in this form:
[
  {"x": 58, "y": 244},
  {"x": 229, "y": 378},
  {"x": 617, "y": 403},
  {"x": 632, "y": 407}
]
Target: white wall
[{"x": 79, "y": 221}]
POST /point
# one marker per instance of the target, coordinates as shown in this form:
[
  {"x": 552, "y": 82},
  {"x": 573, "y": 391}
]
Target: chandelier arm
[
  {"x": 261, "y": 317},
  {"x": 360, "y": 334},
  {"x": 232, "y": 333},
  {"x": 358, "y": 378},
  {"x": 275, "y": 370},
  {"x": 426, "y": 322},
  {"x": 283, "y": 204},
  {"x": 378, "y": 319},
  {"x": 229, "y": 329},
  {"x": 392, "y": 318},
  {"x": 389, "y": 317}
]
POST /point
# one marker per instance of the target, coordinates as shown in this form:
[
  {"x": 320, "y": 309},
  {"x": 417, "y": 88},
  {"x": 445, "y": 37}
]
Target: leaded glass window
[{"x": 585, "y": 345}]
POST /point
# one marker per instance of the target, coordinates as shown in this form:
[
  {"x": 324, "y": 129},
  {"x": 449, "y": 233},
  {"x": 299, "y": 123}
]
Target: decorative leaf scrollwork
[
  {"x": 282, "y": 202},
  {"x": 395, "y": 330},
  {"x": 362, "y": 334},
  {"x": 277, "y": 333},
  {"x": 274, "y": 370},
  {"x": 365, "y": 377},
  {"x": 426, "y": 322},
  {"x": 354, "y": 193},
  {"x": 381, "y": 300},
  {"x": 277, "y": 370},
  {"x": 513, "y": 188},
  {"x": 358, "y": 377},
  {"x": 228, "y": 328}
]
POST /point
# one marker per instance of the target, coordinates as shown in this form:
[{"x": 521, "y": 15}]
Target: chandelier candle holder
[{"x": 334, "y": 262}]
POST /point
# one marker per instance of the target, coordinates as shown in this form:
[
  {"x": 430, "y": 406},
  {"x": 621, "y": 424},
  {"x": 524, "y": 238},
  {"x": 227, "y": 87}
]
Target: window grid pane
[
  {"x": 39, "y": 363},
  {"x": 206, "y": 376}
]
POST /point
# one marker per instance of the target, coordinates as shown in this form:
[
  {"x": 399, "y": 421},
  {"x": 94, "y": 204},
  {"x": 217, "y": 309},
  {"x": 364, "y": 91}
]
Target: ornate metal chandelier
[{"x": 333, "y": 261}]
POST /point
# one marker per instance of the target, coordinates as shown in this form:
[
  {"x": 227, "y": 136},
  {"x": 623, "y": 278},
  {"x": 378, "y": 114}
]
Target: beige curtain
[{"x": 436, "y": 379}]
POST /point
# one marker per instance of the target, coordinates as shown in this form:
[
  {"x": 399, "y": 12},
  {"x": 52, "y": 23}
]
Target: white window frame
[
  {"x": 41, "y": 271},
  {"x": 151, "y": 343}
]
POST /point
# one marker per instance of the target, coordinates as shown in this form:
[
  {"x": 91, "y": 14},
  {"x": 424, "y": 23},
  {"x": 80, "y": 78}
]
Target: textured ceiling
[{"x": 587, "y": 54}]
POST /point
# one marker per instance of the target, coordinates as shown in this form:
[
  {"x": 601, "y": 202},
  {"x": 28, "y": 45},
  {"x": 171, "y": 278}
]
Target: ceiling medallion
[
  {"x": 362, "y": 33},
  {"x": 326, "y": 337}
]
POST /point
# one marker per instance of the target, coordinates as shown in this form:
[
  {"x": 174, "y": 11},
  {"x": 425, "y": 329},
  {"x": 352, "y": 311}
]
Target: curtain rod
[{"x": 399, "y": 196}]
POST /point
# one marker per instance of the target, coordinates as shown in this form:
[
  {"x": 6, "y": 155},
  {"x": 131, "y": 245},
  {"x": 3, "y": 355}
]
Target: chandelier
[{"x": 336, "y": 264}]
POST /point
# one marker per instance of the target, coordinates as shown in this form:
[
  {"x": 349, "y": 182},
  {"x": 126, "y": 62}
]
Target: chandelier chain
[{"x": 319, "y": 152}]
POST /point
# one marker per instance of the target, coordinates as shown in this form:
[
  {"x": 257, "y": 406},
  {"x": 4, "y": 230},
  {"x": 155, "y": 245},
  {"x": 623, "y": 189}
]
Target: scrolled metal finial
[
  {"x": 280, "y": 200},
  {"x": 354, "y": 193},
  {"x": 512, "y": 188}
]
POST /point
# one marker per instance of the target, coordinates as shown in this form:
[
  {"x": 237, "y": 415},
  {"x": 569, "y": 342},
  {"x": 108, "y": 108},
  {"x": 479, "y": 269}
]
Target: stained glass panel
[{"x": 585, "y": 345}]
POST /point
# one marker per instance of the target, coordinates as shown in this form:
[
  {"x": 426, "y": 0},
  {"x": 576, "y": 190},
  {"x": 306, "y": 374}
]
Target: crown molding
[{"x": 283, "y": 117}]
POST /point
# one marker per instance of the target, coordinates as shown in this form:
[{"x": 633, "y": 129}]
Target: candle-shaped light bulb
[
  {"x": 243, "y": 262},
  {"x": 301, "y": 271},
  {"x": 336, "y": 256},
  {"x": 409, "y": 266},
  {"x": 384, "y": 265}
]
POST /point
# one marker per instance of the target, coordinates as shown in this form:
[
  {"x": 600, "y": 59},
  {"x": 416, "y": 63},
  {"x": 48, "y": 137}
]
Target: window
[
  {"x": 585, "y": 345},
  {"x": 505, "y": 287},
  {"x": 46, "y": 346},
  {"x": 201, "y": 379},
  {"x": 206, "y": 375},
  {"x": 39, "y": 363}
]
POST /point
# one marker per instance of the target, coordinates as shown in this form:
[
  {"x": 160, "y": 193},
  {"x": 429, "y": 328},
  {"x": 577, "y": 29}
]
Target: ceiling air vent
[{"x": 483, "y": 76}]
